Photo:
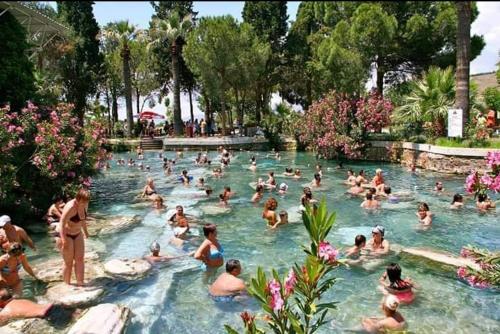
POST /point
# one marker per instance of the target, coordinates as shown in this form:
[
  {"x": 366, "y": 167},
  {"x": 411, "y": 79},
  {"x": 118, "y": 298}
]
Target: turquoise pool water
[{"x": 174, "y": 299}]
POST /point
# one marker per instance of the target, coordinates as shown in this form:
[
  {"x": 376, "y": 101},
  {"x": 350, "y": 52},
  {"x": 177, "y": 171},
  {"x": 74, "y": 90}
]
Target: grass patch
[{"x": 457, "y": 142}]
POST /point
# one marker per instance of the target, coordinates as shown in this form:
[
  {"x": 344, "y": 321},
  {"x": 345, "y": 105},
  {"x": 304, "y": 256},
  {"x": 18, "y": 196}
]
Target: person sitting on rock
[
  {"x": 12, "y": 309},
  {"x": 149, "y": 189},
  {"x": 10, "y": 264},
  {"x": 11, "y": 233},
  {"x": 227, "y": 286},
  {"x": 401, "y": 288},
  {"x": 55, "y": 211}
]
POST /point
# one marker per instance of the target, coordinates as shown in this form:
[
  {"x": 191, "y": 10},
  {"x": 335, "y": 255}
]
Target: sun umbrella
[{"x": 150, "y": 115}]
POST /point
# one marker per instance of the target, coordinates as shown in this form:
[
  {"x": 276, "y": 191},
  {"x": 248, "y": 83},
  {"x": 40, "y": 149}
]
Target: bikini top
[
  {"x": 6, "y": 269},
  {"x": 215, "y": 254},
  {"x": 76, "y": 218}
]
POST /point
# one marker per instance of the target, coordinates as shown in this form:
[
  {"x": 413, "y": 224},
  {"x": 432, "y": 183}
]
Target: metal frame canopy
[{"x": 41, "y": 29}]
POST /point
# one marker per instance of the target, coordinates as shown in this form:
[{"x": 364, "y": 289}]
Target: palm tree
[
  {"x": 170, "y": 31},
  {"x": 463, "y": 57},
  {"x": 429, "y": 99},
  {"x": 123, "y": 33}
]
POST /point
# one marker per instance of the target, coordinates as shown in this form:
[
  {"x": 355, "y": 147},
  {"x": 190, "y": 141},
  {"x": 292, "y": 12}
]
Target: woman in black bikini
[
  {"x": 149, "y": 189},
  {"x": 73, "y": 229}
]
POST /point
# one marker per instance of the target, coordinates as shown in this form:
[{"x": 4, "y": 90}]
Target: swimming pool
[{"x": 174, "y": 299}]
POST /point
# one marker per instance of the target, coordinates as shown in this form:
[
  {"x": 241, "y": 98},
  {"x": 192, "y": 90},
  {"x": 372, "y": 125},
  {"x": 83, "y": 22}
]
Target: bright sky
[{"x": 139, "y": 13}]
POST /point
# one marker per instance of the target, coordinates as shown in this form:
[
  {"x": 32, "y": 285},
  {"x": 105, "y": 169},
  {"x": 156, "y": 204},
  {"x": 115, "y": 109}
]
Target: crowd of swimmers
[{"x": 67, "y": 221}]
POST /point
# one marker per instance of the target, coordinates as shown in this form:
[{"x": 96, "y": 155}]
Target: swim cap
[
  {"x": 378, "y": 170},
  {"x": 284, "y": 186},
  {"x": 391, "y": 302},
  {"x": 155, "y": 246},
  {"x": 379, "y": 229}
]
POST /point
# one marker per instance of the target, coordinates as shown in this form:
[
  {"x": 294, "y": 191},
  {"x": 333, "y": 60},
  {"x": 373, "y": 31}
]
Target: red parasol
[{"x": 150, "y": 115}]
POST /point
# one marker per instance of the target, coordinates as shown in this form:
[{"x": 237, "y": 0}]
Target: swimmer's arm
[
  {"x": 24, "y": 237},
  {"x": 199, "y": 254},
  {"x": 27, "y": 267},
  {"x": 386, "y": 247}
]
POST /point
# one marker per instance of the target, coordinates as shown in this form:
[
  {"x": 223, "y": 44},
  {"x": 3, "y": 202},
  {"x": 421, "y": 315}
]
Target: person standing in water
[
  {"x": 401, "y": 288},
  {"x": 377, "y": 245},
  {"x": 227, "y": 286},
  {"x": 210, "y": 251}
]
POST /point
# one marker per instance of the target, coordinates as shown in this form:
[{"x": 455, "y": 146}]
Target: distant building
[{"x": 485, "y": 80}]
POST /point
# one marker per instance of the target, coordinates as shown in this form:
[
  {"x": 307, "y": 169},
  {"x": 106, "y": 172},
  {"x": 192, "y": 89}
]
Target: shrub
[{"x": 338, "y": 125}]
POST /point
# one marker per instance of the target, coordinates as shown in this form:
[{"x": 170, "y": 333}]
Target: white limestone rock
[
  {"x": 73, "y": 296},
  {"x": 102, "y": 319},
  {"x": 128, "y": 268}
]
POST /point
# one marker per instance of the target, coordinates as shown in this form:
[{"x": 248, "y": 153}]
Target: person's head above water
[
  {"x": 155, "y": 247},
  {"x": 439, "y": 185},
  {"x": 457, "y": 198},
  {"x": 393, "y": 272},
  {"x": 360, "y": 240},
  {"x": 209, "y": 229},
  {"x": 288, "y": 170},
  {"x": 377, "y": 231},
  {"x": 369, "y": 196},
  {"x": 317, "y": 177},
  {"x": 390, "y": 305},
  {"x": 283, "y": 186},
  {"x": 233, "y": 267},
  {"x": 271, "y": 204},
  {"x": 423, "y": 207},
  {"x": 481, "y": 198},
  {"x": 387, "y": 190}
]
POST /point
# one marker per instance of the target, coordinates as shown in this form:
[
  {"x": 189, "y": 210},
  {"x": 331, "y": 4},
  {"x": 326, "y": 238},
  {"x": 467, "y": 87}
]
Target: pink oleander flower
[
  {"x": 471, "y": 182},
  {"x": 276, "y": 302},
  {"x": 290, "y": 282},
  {"x": 495, "y": 184},
  {"x": 87, "y": 182},
  {"x": 327, "y": 252},
  {"x": 461, "y": 272},
  {"x": 493, "y": 158},
  {"x": 486, "y": 180},
  {"x": 71, "y": 174},
  {"x": 464, "y": 252}
]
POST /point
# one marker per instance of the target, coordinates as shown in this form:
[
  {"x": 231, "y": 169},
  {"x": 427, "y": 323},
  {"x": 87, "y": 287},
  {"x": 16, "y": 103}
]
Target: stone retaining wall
[{"x": 436, "y": 158}]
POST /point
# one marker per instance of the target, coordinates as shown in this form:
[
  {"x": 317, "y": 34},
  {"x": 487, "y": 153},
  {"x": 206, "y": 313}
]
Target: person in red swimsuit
[{"x": 401, "y": 288}]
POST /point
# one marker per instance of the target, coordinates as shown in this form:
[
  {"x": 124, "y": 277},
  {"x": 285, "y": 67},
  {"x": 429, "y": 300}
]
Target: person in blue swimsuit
[
  {"x": 10, "y": 264},
  {"x": 210, "y": 251},
  {"x": 227, "y": 286}
]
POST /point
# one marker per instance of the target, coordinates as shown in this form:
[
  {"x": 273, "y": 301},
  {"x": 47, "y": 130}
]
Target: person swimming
[
  {"x": 424, "y": 215},
  {"x": 288, "y": 172},
  {"x": 351, "y": 179},
  {"x": 297, "y": 174},
  {"x": 484, "y": 203},
  {"x": 357, "y": 189},
  {"x": 259, "y": 193},
  {"x": 387, "y": 192},
  {"x": 377, "y": 245},
  {"x": 269, "y": 212},
  {"x": 317, "y": 180},
  {"x": 370, "y": 202},
  {"x": 393, "y": 321},
  {"x": 283, "y": 188},
  {"x": 398, "y": 287},
  {"x": 355, "y": 251},
  {"x": 457, "y": 202}
]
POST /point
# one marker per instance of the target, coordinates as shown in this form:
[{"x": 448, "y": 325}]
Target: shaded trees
[{"x": 81, "y": 63}]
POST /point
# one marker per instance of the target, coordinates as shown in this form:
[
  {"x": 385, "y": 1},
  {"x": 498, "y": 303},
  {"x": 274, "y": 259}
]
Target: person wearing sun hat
[
  {"x": 377, "y": 244},
  {"x": 393, "y": 320},
  {"x": 11, "y": 233}
]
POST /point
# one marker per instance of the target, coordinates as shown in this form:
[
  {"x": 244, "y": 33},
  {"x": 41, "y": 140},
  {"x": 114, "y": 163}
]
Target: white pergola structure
[{"x": 40, "y": 28}]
